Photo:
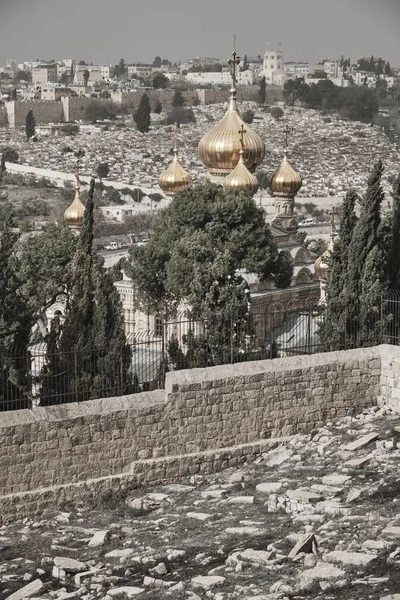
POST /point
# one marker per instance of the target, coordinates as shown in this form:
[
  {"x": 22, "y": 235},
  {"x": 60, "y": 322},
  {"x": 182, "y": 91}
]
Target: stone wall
[
  {"x": 205, "y": 420},
  {"x": 45, "y": 111}
]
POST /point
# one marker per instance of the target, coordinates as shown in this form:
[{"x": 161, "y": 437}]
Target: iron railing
[{"x": 40, "y": 376}]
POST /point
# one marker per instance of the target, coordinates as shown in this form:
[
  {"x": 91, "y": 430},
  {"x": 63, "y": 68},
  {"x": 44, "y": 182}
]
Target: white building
[
  {"x": 141, "y": 70},
  {"x": 224, "y": 78},
  {"x": 105, "y": 71},
  {"x": 273, "y": 66}
]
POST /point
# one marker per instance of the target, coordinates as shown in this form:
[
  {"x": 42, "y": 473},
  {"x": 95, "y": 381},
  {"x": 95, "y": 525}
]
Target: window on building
[{"x": 158, "y": 327}]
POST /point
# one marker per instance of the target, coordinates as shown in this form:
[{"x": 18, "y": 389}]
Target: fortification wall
[
  {"x": 77, "y": 107},
  {"x": 45, "y": 111},
  {"x": 205, "y": 420}
]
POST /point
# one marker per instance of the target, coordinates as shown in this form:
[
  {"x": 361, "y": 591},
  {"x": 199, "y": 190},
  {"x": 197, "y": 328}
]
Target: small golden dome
[
  {"x": 285, "y": 182},
  {"x": 75, "y": 213},
  {"x": 219, "y": 148},
  {"x": 175, "y": 178},
  {"x": 240, "y": 177}
]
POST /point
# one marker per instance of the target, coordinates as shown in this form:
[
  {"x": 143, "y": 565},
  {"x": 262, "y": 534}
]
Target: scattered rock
[
  {"x": 207, "y": 582},
  {"x": 99, "y": 539},
  {"x": 69, "y": 565},
  {"x": 34, "y": 587},
  {"x": 307, "y": 544},
  {"x": 349, "y": 558},
  {"x": 361, "y": 442}
]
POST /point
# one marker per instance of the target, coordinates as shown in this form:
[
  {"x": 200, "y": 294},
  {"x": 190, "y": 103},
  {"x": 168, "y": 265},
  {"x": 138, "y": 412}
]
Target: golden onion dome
[
  {"x": 240, "y": 177},
  {"x": 219, "y": 148},
  {"x": 74, "y": 214},
  {"x": 175, "y": 178},
  {"x": 285, "y": 182}
]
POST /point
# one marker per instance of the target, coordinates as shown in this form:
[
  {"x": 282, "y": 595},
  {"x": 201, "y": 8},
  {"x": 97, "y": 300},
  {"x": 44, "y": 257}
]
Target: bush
[
  {"x": 100, "y": 110},
  {"x": 158, "y": 108},
  {"x": 67, "y": 150},
  {"x": 276, "y": 113},
  {"x": 69, "y": 129},
  {"x": 10, "y": 155},
  {"x": 180, "y": 116},
  {"x": 248, "y": 116}
]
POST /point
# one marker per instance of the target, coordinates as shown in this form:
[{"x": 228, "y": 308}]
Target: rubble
[{"x": 309, "y": 531}]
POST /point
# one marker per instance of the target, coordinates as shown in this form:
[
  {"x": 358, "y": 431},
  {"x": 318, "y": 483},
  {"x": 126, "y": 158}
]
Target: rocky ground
[{"x": 316, "y": 517}]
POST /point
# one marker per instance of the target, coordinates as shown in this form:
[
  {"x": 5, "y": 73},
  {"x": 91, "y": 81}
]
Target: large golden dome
[
  {"x": 175, "y": 178},
  {"x": 241, "y": 178},
  {"x": 75, "y": 213},
  {"x": 285, "y": 182},
  {"x": 219, "y": 148}
]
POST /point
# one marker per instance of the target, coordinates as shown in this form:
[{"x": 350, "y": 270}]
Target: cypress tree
[
  {"x": 178, "y": 100},
  {"x": 374, "y": 288},
  {"x": 15, "y": 327},
  {"x": 113, "y": 362},
  {"x": 30, "y": 125},
  {"x": 334, "y": 332},
  {"x": 77, "y": 339},
  {"x": 394, "y": 250},
  {"x": 262, "y": 94},
  {"x": 364, "y": 239},
  {"x": 2, "y": 166},
  {"x": 142, "y": 115}
]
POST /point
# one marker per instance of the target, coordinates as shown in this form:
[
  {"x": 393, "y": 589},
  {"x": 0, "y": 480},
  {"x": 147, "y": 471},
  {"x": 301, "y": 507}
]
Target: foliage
[
  {"x": 86, "y": 75},
  {"x": 30, "y": 125},
  {"x": 262, "y": 92},
  {"x": 263, "y": 179},
  {"x": 158, "y": 108},
  {"x": 103, "y": 170},
  {"x": 157, "y": 62},
  {"x": 23, "y": 76},
  {"x": 181, "y": 116},
  {"x": 178, "y": 100},
  {"x": 160, "y": 81},
  {"x": 196, "y": 248},
  {"x": 90, "y": 347},
  {"x": 142, "y": 115},
  {"x": 248, "y": 116},
  {"x": 276, "y": 113},
  {"x": 99, "y": 110},
  {"x": 245, "y": 66},
  {"x": 70, "y": 129},
  {"x": 10, "y": 155},
  {"x": 295, "y": 90},
  {"x": 364, "y": 265},
  {"x": 15, "y": 325}
]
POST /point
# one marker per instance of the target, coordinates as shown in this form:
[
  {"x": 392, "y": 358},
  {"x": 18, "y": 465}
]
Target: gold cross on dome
[
  {"x": 241, "y": 132},
  {"x": 235, "y": 60},
  {"x": 176, "y": 132},
  {"x": 287, "y": 131}
]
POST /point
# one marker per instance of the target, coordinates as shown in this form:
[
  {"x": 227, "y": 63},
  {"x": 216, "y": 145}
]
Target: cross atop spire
[
  {"x": 233, "y": 62},
  {"x": 176, "y": 133},
  {"x": 287, "y": 131},
  {"x": 78, "y": 181},
  {"x": 241, "y": 132}
]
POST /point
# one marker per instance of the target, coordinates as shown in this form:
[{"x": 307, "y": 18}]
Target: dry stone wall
[{"x": 205, "y": 420}]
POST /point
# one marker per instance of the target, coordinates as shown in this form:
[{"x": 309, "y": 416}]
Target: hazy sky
[{"x": 103, "y": 31}]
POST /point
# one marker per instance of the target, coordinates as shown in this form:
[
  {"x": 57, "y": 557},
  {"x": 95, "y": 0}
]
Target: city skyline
[{"x": 307, "y": 30}]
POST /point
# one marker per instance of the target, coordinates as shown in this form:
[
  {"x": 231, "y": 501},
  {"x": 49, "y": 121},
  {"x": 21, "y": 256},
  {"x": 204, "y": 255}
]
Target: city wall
[
  {"x": 45, "y": 111},
  {"x": 205, "y": 420}
]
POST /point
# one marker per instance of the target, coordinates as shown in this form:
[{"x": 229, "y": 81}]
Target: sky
[{"x": 103, "y": 31}]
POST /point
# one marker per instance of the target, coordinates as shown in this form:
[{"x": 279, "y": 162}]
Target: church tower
[{"x": 273, "y": 65}]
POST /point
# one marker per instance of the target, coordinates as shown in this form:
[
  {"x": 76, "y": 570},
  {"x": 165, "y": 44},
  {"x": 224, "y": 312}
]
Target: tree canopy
[{"x": 197, "y": 248}]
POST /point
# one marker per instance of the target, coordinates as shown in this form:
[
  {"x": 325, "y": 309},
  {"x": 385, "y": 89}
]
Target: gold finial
[
  {"x": 287, "y": 131},
  {"x": 241, "y": 132},
  {"x": 233, "y": 62},
  {"x": 176, "y": 133},
  {"x": 78, "y": 181}
]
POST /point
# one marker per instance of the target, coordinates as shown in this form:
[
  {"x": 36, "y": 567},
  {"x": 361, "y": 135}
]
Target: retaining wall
[{"x": 205, "y": 420}]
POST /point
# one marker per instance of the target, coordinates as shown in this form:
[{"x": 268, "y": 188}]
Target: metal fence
[{"x": 42, "y": 376}]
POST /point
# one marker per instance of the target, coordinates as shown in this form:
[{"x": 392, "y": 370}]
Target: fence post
[
  {"x": 76, "y": 376},
  {"x": 121, "y": 369}
]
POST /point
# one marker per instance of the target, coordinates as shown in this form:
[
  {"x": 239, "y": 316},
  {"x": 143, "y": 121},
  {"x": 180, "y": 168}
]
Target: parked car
[
  {"x": 113, "y": 246},
  {"x": 307, "y": 223}
]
